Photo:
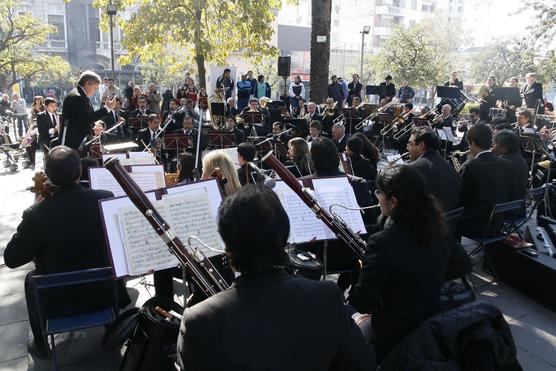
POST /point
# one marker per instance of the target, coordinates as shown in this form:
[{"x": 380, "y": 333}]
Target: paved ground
[{"x": 533, "y": 326}]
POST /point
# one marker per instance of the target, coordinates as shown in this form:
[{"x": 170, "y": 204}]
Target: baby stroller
[{"x": 12, "y": 151}]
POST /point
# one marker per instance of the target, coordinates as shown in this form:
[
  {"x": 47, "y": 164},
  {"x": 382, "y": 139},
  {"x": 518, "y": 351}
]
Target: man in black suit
[
  {"x": 78, "y": 113},
  {"x": 142, "y": 109},
  {"x": 239, "y": 135},
  {"x": 361, "y": 166},
  {"x": 441, "y": 180},
  {"x": 339, "y": 136},
  {"x": 114, "y": 118},
  {"x": 387, "y": 89},
  {"x": 312, "y": 114},
  {"x": 354, "y": 89},
  {"x": 315, "y": 131},
  {"x": 61, "y": 234},
  {"x": 486, "y": 180},
  {"x": 149, "y": 136},
  {"x": 268, "y": 320},
  {"x": 506, "y": 145},
  {"x": 47, "y": 124},
  {"x": 189, "y": 130},
  {"x": 532, "y": 93},
  {"x": 176, "y": 119}
]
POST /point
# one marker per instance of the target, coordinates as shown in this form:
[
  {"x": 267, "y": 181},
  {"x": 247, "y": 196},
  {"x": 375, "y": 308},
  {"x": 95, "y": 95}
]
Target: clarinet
[
  {"x": 200, "y": 267},
  {"x": 336, "y": 224}
]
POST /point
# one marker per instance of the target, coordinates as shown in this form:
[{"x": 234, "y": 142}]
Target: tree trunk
[
  {"x": 199, "y": 52},
  {"x": 320, "y": 51}
]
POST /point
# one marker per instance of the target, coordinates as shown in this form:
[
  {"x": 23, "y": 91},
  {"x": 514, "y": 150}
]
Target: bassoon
[
  {"x": 202, "y": 270},
  {"x": 335, "y": 223}
]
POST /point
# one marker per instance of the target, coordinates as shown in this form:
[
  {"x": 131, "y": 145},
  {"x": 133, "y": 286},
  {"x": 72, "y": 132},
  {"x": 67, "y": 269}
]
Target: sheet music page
[
  {"x": 331, "y": 191},
  {"x": 190, "y": 214},
  {"x": 233, "y": 154},
  {"x": 100, "y": 178},
  {"x": 141, "y": 158},
  {"x": 304, "y": 224},
  {"x": 120, "y": 156},
  {"x": 144, "y": 249},
  {"x": 157, "y": 170}
]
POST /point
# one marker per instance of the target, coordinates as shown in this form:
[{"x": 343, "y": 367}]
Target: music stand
[
  {"x": 351, "y": 114},
  {"x": 373, "y": 90},
  {"x": 508, "y": 94},
  {"x": 252, "y": 117},
  {"x": 417, "y": 121},
  {"x": 138, "y": 122},
  {"x": 448, "y": 92},
  {"x": 299, "y": 125},
  {"x": 176, "y": 142},
  {"x": 221, "y": 139},
  {"x": 534, "y": 144}
]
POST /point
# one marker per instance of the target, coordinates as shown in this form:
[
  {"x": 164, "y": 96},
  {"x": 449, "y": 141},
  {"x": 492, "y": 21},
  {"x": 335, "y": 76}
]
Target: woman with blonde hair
[{"x": 221, "y": 160}]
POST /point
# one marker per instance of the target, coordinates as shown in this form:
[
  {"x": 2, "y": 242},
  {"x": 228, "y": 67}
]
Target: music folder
[
  {"x": 448, "y": 92},
  {"x": 133, "y": 245}
]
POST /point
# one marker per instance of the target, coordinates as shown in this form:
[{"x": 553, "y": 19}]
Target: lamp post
[
  {"x": 366, "y": 30},
  {"x": 111, "y": 11}
]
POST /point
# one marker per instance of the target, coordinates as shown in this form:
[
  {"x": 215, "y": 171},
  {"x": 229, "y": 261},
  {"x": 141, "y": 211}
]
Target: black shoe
[{"x": 38, "y": 351}]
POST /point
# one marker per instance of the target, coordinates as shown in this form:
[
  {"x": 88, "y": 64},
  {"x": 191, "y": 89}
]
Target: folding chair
[
  {"x": 515, "y": 221},
  {"x": 51, "y": 325}
]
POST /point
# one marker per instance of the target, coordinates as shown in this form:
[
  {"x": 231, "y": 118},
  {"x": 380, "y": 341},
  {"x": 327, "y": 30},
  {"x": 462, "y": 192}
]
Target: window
[
  {"x": 58, "y": 22},
  {"x": 386, "y": 21}
]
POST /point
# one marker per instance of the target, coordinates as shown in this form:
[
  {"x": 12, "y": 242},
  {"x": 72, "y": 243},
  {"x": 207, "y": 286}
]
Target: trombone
[
  {"x": 393, "y": 127},
  {"x": 369, "y": 118}
]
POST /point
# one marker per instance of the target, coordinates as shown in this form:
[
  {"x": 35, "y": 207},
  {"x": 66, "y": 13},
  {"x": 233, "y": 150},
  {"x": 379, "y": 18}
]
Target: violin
[{"x": 42, "y": 186}]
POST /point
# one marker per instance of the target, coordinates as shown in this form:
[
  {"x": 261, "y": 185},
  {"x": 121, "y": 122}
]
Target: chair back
[{"x": 500, "y": 212}]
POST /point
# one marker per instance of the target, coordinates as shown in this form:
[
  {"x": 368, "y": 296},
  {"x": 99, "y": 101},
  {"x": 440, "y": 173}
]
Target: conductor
[{"x": 78, "y": 112}]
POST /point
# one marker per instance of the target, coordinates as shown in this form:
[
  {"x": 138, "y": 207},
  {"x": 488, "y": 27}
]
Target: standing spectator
[
  {"x": 37, "y": 107},
  {"x": 354, "y": 89},
  {"x": 203, "y": 96},
  {"x": 191, "y": 92},
  {"x": 406, "y": 93},
  {"x": 283, "y": 90},
  {"x": 388, "y": 89},
  {"x": 128, "y": 92},
  {"x": 167, "y": 97},
  {"x": 103, "y": 86},
  {"x": 344, "y": 85},
  {"x": 297, "y": 92},
  {"x": 243, "y": 92},
  {"x": 4, "y": 104},
  {"x": 262, "y": 88},
  {"x": 253, "y": 83},
  {"x": 154, "y": 98},
  {"x": 336, "y": 92},
  {"x": 226, "y": 82},
  {"x": 110, "y": 91},
  {"x": 19, "y": 108}
]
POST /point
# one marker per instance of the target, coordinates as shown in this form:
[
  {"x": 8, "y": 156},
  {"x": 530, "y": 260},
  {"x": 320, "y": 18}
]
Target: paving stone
[
  {"x": 20, "y": 364},
  {"x": 536, "y": 334},
  {"x": 13, "y": 309},
  {"x": 13, "y": 341}
]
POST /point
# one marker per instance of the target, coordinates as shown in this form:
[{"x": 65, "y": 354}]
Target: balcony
[
  {"x": 105, "y": 45},
  {"x": 388, "y": 10},
  {"x": 53, "y": 46}
]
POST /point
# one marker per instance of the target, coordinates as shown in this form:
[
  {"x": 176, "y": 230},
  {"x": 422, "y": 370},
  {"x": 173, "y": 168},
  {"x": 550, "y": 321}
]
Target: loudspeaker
[{"x": 284, "y": 65}]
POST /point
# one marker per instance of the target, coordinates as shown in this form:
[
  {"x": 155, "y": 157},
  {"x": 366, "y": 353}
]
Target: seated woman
[
  {"x": 219, "y": 162},
  {"x": 405, "y": 263},
  {"x": 298, "y": 152}
]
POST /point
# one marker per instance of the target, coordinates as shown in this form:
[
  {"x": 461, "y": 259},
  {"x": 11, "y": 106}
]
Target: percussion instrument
[{"x": 304, "y": 264}]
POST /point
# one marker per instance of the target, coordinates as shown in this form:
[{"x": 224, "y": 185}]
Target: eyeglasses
[{"x": 377, "y": 192}]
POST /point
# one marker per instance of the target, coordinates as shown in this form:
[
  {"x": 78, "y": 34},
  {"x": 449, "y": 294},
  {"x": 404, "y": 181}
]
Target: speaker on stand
[{"x": 284, "y": 67}]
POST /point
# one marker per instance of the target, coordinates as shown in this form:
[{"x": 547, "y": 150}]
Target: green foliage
[
  {"x": 19, "y": 35},
  {"x": 543, "y": 29},
  {"x": 268, "y": 67},
  {"x": 546, "y": 69},
  {"x": 420, "y": 54},
  {"x": 208, "y": 30},
  {"x": 504, "y": 58}
]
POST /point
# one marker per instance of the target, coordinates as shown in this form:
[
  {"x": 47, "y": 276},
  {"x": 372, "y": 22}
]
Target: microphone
[{"x": 268, "y": 182}]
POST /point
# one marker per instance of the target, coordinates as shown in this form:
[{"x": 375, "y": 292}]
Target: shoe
[{"x": 38, "y": 351}]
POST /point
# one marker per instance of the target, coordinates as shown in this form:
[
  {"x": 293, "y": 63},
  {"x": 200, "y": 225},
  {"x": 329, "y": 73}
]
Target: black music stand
[
  {"x": 177, "y": 142},
  {"x": 417, "y": 121},
  {"x": 218, "y": 112},
  {"x": 508, "y": 94},
  {"x": 300, "y": 126},
  {"x": 252, "y": 117},
  {"x": 533, "y": 144},
  {"x": 138, "y": 122},
  {"x": 448, "y": 92},
  {"x": 270, "y": 144},
  {"x": 350, "y": 114},
  {"x": 221, "y": 139}
]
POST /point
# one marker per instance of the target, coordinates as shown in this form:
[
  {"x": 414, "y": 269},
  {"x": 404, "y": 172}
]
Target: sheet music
[
  {"x": 445, "y": 134},
  {"x": 148, "y": 179},
  {"x": 141, "y": 158},
  {"x": 144, "y": 249},
  {"x": 304, "y": 224},
  {"x": 232, "y": 152},
  {"x": 329, "y": 191},
  {"x": 120, "y": 156},
  {"x": 190, "y": 214}
]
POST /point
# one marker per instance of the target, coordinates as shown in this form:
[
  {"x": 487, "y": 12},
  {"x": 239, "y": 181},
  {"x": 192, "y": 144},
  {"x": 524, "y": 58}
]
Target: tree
[
  {"x": 420, "y": 54},
  {"x": 268, "y": 67},
  {"x": 208, "y": 29},
  {"x": 544, "y": 28},
  {"x": 503, "y": 59},
  {"x": 321, "y": 18},
  {"x": 16, "y": 29}
]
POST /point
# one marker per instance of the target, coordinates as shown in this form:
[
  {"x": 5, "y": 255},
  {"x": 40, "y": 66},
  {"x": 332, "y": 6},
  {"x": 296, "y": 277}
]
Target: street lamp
[
  {"x": 111, "y": 11},
  {"x": 366, "y": 30}
]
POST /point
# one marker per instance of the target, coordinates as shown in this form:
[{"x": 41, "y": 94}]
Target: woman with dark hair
[
  {"x": 185, "y": 167},
  {"x": 298, "y": 152},
  {"x": 369, "y": 150},
  {"x": 405, "y": 263}
]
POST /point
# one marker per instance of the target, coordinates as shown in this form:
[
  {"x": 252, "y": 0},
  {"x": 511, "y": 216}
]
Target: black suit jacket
[
  {"x": 532, "y": 95},
  {"x": 316, "y": 117},
  {"x": 63, "y": 233},
  {"x": 44, "y": 123},
  {"x": 485, "y": 181},
  {"x": 144, "y": 137},
  {"x": 176, "y": 121},
  {"x": 399, "y": 284},
  {"x": 239, "y": 136},
  {"x": 80, "y": 117},
  {"x": 441, "y": 180},
  {"x": 387, "y": 90},
  {"x": 362, "y": 167},
  {"x": 274, "y": 322},
  {"x": 521, "y": 173},
  {"x": 341, "y": 145}
]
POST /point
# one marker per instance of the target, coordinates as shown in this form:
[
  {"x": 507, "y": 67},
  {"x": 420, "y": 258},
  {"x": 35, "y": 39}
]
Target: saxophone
[{"x": 456, "y": 157}]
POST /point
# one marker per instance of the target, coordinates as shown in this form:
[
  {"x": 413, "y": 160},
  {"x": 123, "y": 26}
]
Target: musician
[
  {"x": 300, "y": 111},
  {"x": 330, "y": 113},
  {"x": 219, "y": 159},
  {"x": 339, "y": 136},
  {"x": 362, "y": 167},
  {"x": 252, "y": 107},
  {"x": 441, "y": 180},
  {"x": 226, "y": 82},
  {"x": 189, "y": 110},
  {"x": 406, "y": 93},
  {"x": 369, "y": 150},
  {"x": 278, "y": 133},
  {"x": 532, "y": 93},
  {"x": 524, "y": 124},
  {"x": 246, "y": 153},
  {"x": 142, "y": 109},
  {"x": 513, "y": 105},
  {"x": 336, "y": 92},
  {"x": 312, "y": 113},
  {"x": 403, "y": 121},
  {"x": 148, "y": 137},
  {"x": 231, "y": 110},
  {"x": 185, "y": 167},
  {"x": 203, "y": 112},
  {"x": 102, "y": 138},
  {"x": 444, "y": 122},
  {"x": 173, "y": 117},
  {"x": 486, "y": 180},
  {"x": 506, "y": 145},
  {"x": 268, "y": 320},
  {"x": 298, "y": 154},
  {"x": 355, "y": 88},
  {"x": 239, "y": 135},
  {"x": 77, "y": 111},
  {"x": 488, "y": 99},
  {"x": 387, "y": 89},
  {"x": 62, "y": 234},
  {"x": 393, "y": 285},
  {"x": 454, "y": 81},
  {"x": 315, "y": 131},
  {"x": 463, "y": 126},
  {"x": 48, "y": 122},
  {"x": 296, "y": 92}
]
